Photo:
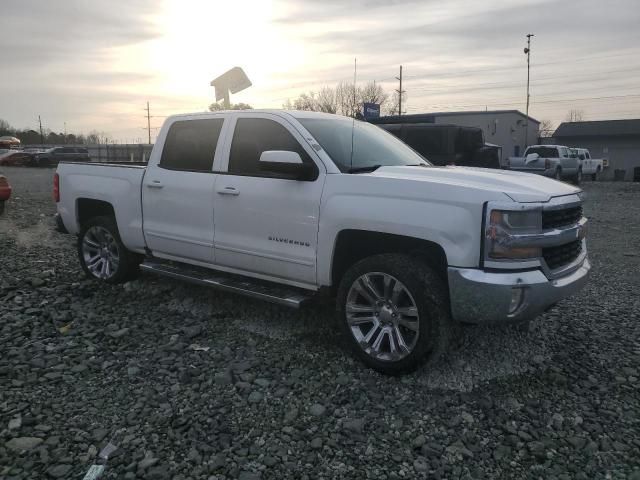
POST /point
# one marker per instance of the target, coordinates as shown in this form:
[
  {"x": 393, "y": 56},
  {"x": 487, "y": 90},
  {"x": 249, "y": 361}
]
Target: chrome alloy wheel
[
  {"x": 382, "y": 316},
  {"x": 100, "y": 252}
]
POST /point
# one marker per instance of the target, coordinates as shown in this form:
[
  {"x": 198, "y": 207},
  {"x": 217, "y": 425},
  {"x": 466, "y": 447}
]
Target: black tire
[
  {"x": 429, "y": 293},
  {"x": 558, "y": 174},
  {"x": 128, "y": 263},
  {"x": 577, "y": 179}
]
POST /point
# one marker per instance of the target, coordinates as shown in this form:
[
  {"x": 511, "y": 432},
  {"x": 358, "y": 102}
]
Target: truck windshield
[{"x": 372, "y": 146}]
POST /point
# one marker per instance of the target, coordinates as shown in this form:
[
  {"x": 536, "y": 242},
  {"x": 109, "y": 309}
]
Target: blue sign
[{"x": 371, "y": 110}]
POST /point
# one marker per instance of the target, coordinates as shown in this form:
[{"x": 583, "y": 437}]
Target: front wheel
[
  {"x": 393, "y": 312},
  {"x": 102, "y": 254}
]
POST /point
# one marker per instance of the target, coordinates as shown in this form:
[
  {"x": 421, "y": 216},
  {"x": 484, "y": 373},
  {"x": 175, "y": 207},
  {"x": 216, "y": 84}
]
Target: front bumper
[{"x": 478, "y": 296}]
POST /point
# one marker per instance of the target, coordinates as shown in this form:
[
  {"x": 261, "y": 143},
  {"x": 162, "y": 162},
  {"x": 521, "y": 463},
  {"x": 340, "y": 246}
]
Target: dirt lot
[{"x": 194, "y": 384}]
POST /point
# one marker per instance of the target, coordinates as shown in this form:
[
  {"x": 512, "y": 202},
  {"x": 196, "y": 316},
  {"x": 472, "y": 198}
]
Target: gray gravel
[{"x": 195, "y": 384}]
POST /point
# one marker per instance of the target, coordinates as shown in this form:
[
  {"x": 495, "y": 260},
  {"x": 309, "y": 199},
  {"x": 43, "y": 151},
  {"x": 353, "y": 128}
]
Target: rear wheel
[
  {"x": 577, "y": 179},
  {"x": 393, "y": 312},
  {"x": 558, "y": 174},
  {"x": 102, "y": 254}
]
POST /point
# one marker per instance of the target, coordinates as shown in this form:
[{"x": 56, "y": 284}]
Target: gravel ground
[{"x": 194, "y": 384}]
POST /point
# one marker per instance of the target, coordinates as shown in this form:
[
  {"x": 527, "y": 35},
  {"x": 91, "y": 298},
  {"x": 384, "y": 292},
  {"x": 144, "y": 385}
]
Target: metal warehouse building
[{"x": 618, "y": 141}]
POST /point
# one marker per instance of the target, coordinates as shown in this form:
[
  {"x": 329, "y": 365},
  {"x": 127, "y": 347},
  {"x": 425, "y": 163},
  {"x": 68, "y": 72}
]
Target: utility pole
[
  {"x": 41, "y": 135},
  {"x": 65, "y": 132},
  {"x": 355, "y": 69},
  {"x": 527, "y": 51},
  {"x": 148, "y": 123},
  {"x": 400, "y": 92}
]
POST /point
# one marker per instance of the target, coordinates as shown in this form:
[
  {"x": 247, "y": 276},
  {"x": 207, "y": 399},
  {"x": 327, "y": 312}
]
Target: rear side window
[
  {"x": 191, "y": 145},
  {"x": 251, "y": 137},
  {"x": 544, "y": 152}
]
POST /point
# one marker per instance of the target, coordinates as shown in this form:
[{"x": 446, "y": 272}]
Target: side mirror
[
  {"x": 286, "y": 163},
  {"x": 531, "y": 157}
]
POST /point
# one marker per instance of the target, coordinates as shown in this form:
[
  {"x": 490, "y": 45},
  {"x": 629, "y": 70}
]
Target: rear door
[
  {"x": 265, "y": 223},
  {"x": 177, "y": 192}
]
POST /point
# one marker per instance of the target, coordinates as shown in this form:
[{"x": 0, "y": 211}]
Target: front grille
[
  {"x": 562, "y": 255},
  {"x": 561, "y": 218}
]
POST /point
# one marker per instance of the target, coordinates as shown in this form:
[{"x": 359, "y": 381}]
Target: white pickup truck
[
  {"x": 555, "y": 161},
  {"x": 588, "y": 165},
  {"x": 290, "y": 206}
]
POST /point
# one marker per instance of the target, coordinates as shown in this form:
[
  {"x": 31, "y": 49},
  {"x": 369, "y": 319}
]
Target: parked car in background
[
  {"x": 5, "y": 192},
  {"x": 55, "y": 155},
  {"x": 315, "y": 205},
  {"x": 589, "y": 166},
  {"x": 10, "y": 157},
  {"x": 443, "y": 144},
  {"x": 556, "y": 161}
]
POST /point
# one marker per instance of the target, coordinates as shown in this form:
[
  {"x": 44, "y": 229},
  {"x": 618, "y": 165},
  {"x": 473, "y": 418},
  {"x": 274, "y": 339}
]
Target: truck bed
[{"x": 83, "y": 184}]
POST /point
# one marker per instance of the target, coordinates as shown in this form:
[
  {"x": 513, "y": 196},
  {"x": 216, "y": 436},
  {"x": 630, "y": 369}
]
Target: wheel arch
[
  {"x": 88, "y": 208},
  {"x": 352, "y": 246}
]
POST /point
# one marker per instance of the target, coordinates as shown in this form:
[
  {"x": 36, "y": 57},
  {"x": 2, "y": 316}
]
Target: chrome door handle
[
  {"x": 228, "y": 191},
  {"x": 155, "y": 184}
]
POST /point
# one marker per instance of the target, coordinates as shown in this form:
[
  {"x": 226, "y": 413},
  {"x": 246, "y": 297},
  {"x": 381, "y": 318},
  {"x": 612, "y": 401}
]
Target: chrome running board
[{"x": 261, "y": 290}]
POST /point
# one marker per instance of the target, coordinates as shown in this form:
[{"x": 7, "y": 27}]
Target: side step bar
[{"x": 261, "y": 290}]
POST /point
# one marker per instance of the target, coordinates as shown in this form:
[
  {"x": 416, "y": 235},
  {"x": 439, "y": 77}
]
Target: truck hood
[{"x": 519, "y": 186}]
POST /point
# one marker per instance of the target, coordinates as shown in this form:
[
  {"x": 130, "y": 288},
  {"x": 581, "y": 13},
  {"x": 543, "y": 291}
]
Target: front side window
[
  {"x": 354, "y": 145},
  {"x": 191, "y": 145},
  {"x": 251, "y": 137}
]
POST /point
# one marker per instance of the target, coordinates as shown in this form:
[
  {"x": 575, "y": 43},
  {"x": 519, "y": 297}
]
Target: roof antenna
[{"x": 353, "y": 112}]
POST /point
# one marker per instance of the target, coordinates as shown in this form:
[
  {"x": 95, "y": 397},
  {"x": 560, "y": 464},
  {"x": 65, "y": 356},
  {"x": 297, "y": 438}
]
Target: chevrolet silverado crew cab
[
  {"x": 554, "y": 161},
  {"x": 292, "y": 206}
]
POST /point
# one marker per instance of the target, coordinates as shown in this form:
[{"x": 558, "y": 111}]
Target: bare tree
[
  {"x": 345, "y": 99},
  {"x": 216, "y": 107},
  {"x": 546, "y": 128},
  {"x": 390, "y": 107},
  {"x": 306, "y": 101},
  {"x": 373, "y": 92},
  {"x": 326, "y": 100},
  {"x": 575, "y": 115}
]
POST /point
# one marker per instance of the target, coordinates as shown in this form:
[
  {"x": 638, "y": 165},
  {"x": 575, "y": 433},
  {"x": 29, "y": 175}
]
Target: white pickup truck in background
[
  {"x": 555, "y": 161},
  {"x": 290, "y": 206},
  {"x": 589, "y": 166}
]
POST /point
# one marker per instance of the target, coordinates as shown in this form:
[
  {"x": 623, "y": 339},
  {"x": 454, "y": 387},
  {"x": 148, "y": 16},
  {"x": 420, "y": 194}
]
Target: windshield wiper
[{"x": 369, "y": 168}]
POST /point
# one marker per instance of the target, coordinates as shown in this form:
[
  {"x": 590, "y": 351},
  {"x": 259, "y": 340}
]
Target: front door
[
  {"x": 265, "y": 223},
  {"x": 178, "y": 193}
]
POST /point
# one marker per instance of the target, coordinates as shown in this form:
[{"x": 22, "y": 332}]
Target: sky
[{"x": 93, "y": 65}]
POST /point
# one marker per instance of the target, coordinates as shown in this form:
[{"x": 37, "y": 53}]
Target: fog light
[{"x": 517, "y": 294}]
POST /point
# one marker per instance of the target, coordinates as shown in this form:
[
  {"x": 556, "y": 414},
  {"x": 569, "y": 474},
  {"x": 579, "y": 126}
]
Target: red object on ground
[
  {"x": 5, "y": 188},
  {"x": 56, "y": 188}
]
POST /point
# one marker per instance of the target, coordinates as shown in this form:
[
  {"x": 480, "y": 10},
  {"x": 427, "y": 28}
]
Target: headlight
[{"x": 503, "y": 226}]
